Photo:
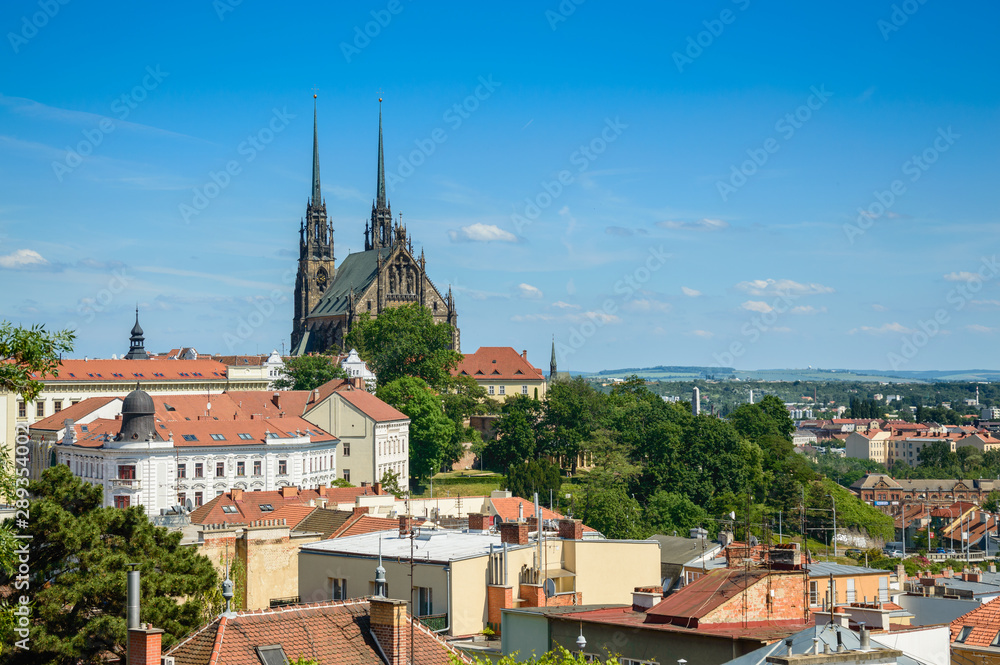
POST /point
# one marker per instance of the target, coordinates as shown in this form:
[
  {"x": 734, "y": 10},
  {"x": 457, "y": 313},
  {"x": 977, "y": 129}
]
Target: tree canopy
[
  {"x": 309, "y": 372},
  {"x": 405, "y": 341},
  {"x": 78, "y": 553},
  {"x": 430, "y": 429},
  {"x": 27, "y": 351}
]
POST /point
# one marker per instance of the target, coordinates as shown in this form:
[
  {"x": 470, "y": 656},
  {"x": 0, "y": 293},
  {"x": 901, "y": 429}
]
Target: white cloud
[
  {"x": 975, "y": 327},
  {"x": 700, "y": 225},
  {"x": 807, "y": 309},
  {"x": 702, "y": 333},
  {"x": 690, "y": 292},
  {"x": 533, "y": 317},
  {"x": 646, "y": 305},
  {"x": 599, "y": 317},
  {"x": 528, "y": 291},
  {"x": 880, "y": 308},
  {"x": 757, "y": 306},
  {"x": 479, "y": 232},
  {"x": 22, "y": 258},
  {"x": 963, "y": 276},
  {"x": 766, "y": 287},
  {"x": 781, "y": 329},
  {"x": 564, "y": 305},
  {"x": 882, "y": 329},
  {"x": 988, "y": 303}
]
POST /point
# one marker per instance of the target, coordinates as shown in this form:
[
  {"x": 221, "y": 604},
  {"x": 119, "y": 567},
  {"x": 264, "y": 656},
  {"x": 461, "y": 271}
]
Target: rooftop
[{"x": 439, "y": 546}]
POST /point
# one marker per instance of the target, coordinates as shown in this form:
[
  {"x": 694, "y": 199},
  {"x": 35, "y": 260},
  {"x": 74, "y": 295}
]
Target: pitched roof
[
  {"x": 335, "y": 632},
  {"x": 325, "y": 521},
  {"x": 507, "y": 509},
  {"x": 248, "y": 506},
  {"x": 368, "y": 404},
  {"x": 77, "y": 411},
  {"x": 367, "y": 524},
  {"x": 705, "y": 594},
  {"x": 132, "y": 371},
  {"x": 985, "y": 624},
  {"x": 356, "y": 272},
  {"x": 499, "y": 363}
]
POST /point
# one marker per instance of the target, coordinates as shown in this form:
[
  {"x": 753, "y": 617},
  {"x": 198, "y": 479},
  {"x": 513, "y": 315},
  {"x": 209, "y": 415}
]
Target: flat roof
[{"x": 438, "y": 545}]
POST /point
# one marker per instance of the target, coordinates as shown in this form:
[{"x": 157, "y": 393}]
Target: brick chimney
[
  {"x": 514, "y": 533},
  {"x": 571, "y": 529},
  {"x": 524, "y": 355},
  {"x": 289, "y": 491},
  {"x": 377, "y": 488},
  {"x": 479, "y": 522},
  {"x": 360, "y": 510},
  {"x": 388, "y": 624},
  {"x": 236, "y": 494},
  {"x": 276, "y": 399},
  {"x": 144, "y": 645},
  {"x": 321, "y": 490},
  {"x": 405, "y": 525}
]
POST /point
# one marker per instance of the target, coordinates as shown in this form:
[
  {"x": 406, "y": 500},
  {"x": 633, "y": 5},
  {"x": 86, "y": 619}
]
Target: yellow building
[{"x": 503, "y": 372}]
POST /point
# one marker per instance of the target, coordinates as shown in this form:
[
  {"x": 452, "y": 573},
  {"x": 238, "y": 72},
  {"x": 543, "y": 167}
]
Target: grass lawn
[{"x": 463, "y": 483}]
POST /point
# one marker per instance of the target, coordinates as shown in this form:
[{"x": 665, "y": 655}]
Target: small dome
[
  {"x": 136, "y": 329},
  {"x": 138, "y": 402}
]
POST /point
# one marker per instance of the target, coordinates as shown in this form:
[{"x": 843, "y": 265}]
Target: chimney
[
  {"x": 289, "y": 491},
  {"x": 276, "y": 399},
  {"x": 236, "y": 494},
  {"x": 514, "y": 533},
  {"x": 315, "y": 395},
  {"x": 524, "y": 354},
  {"x": 144, "y": 645},
  {"x": 358, "y": 382},
  {"x": 571, "y": 529},
  {"x": 377, "y": 488},
  {"x": 388, "y": 625},
  {"x": 479, "y": 522},
  {"x": 321, "y": 490},
  {"x": 360, "y": 510},
  {"x": 405, "y": 525}
]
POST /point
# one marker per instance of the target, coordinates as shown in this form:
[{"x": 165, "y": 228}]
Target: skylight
[
  {"x": 190, "y": 437},
  {"x": 218, "y": 437},
  {"x": 963, "y": 634},
  {"x": 245, "y": 436},
  {"x": 272, "y": 655},
  {"x": 229, "y": 510},
  {"x": 266, "y": 508}
]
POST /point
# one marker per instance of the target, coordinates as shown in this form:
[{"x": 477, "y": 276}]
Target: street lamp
[{"x": 834, "y": 524}]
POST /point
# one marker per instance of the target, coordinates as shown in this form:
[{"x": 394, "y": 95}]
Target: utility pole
[{"x": 834, "y": 524}]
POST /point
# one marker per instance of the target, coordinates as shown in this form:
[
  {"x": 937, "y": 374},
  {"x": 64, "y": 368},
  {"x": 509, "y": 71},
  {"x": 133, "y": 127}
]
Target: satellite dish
[
  {"x": 496, "y": 521},
  {"x": 753, "y": 541},
  {"x": 732, "y": 515},
  {"x": 550, "y": 588},
  {"x": 189, "y": 504}
]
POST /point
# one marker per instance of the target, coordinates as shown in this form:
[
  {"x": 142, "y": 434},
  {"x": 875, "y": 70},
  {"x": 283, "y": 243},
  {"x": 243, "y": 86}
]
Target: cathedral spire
[
  {"x": 380, "y": 185},
  {"x": 552, "y": 363},
  {"x": 316, "y": 196}
]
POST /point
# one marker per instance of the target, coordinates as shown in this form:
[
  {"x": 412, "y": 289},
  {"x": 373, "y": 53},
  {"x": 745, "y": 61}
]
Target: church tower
[
  {"x": 379, "y": 231},
  {"x": 136, "y": 349},
  {"x": 316, "y": 260}
]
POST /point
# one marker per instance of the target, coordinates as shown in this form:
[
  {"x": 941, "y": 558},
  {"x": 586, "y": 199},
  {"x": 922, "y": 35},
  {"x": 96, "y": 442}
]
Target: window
[
  {"x": 272, "y": 655},
  {"x": 181, "y": 498},
  {"x": 190, "y": 437},
  {"x": 347, "y": 475},
  {"x": 524, "y": 390},
  {"x": 22, "y": 410},
  {"x": 182, "y": 471},
  {"x": 883, "y": 589},
  {"x": 266, "y": 507},
  {"x": 218, "y": 437},
  {"x": 996, "y": 640},
  {"x": 963, "y": 634},
  {"x": 197, "y": 499},
  {"x": 282, "y": 467},
  {"x": 256, "y": 468},
  {"x": 220, "y": 469},
  {"x": 347, "y": 448},
  {"x": 503, "y": 390},
  {"x": 126, "y": 472},
  {"x": 241, "y": 468},
  {"x": 490, "y": 390},
  {"x": 244, "y": 436},
  {"x": 229, "y": 510},
  {"x": 40, "y": 410},
  {"x": 199, "y": 470},
  {"x": 57, "y": 406},
  {"x": 122, "y": 501},
  {"x": 850, "y": 591},
  {"x": 218, "y": 493},
  {"x": 338, "y": 588},
  {"x": 424, "y": 604},
  {"x": 813, "y": 594}
]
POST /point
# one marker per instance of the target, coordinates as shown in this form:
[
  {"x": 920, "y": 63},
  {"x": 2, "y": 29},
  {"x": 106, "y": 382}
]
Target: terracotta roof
[
  {"x": 497, "y": 362},
  {"x": 335, "y": 632},
  {"x": 367, "y": 524},
  {"x": 325, "y": 521},
  {"x": 56, "y": 421},
  {"x": 368, "y": 404},
  {"x": 249, "y": 505},
  {"x": 985, "y": 624},
  {"x": 293, "y": 515},
  {"x": 131, "y": 371},
  {"x": 506, "y": 508}
]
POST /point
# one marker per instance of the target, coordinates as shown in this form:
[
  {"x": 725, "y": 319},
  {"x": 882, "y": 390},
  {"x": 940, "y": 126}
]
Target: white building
[
  {"x": 357, "y": 368},
  {"x": 140, "y": 459}
]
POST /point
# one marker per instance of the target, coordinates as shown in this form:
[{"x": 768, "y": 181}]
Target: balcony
[{"x": 127, "y": 483}]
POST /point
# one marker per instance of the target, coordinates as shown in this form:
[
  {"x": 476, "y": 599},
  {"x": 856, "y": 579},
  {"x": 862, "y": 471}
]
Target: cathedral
[{"x": 329, "y": 300}]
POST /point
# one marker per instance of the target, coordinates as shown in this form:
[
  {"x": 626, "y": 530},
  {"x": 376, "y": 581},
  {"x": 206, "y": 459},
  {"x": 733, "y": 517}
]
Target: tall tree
[
  {"x": 28, "y": 351},
  {"x": 309, "y": 372},
  {"x": 516, "y": 433},
  {"x": 573, "y": 412},
  {"x": 405, "y": 341},
  {"x": 430, "y": 428},
  {"x": 539, "y": 475},
  {"x": 78, "y": 553}
]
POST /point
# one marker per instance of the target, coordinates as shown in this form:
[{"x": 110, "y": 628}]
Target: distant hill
[{"x": 684, "y": 373}]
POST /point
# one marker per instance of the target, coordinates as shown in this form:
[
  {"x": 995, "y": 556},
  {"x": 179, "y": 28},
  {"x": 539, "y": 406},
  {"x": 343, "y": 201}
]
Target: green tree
[
  {"x": 406, "y": 341},
  {"x": 430, "y": 428},
  {"x": 78, "y": 553},
  {"x": 573, "y": 411},
  {"x": 516, "y": 433},
  {"x": 390, "y": 483},
  {"x": 29, "y": 351},
  {"x": 462, "y": 398},
  {"x": 667, "y": 512},
  {"x": 557, "y": 656},
  {"x": 992, "y": 502},
  {"x": 309, "y": 372},
  {"x": 938, "y": 455},
  {"x": 767, "y": 417},
  {"x": 539, "y": 475},
  {"x": 608, "y": 507}
]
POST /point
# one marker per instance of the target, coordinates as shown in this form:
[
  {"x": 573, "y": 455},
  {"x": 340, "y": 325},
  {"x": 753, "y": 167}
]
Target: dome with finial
[
  {"x": 138, "y": 402},
  {"x": 138, "y": 422}
]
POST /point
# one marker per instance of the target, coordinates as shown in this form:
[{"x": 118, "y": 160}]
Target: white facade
[
  {"x": 357, "y": 368},
  {"x": 392, "y": 450},
  {"x": 274, "y": 368},
  {"x": 146, "y": 472}
]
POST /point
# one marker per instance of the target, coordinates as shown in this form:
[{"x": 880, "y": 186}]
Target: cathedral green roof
[{"x": 357, "y": 271}]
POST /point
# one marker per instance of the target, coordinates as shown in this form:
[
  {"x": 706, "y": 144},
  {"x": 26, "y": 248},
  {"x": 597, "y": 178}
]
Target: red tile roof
[
  {"x": 984, "y": 621},
  {"x": 507, "y": 509},
  {"x": 368, "y": 404},
  {"x": 249, "y": 504},
  {"x": 366, "y": 524},
  {"x": 131, "y": 371},
  {"x": 331, "y": 633},
  {"x": 84, "y": 408},
  {"x": 497, "y": 362},
  {"x": 292, "y": 515}
]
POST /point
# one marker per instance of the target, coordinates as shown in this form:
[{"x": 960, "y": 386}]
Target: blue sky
[{"x": 712, "y": 183}]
